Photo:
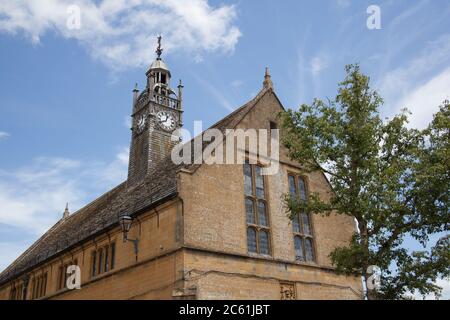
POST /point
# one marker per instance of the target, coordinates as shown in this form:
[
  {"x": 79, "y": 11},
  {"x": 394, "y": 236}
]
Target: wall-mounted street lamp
[{"x": 125, "y": 222}]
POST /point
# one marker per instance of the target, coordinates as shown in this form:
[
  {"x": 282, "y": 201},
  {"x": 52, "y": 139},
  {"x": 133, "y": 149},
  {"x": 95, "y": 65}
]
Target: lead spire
[{"x": 159, "y": 50}]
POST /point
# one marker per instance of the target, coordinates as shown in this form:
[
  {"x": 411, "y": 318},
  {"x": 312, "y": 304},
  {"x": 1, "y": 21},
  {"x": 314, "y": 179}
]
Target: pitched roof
[{"x": 102, "y": 214}]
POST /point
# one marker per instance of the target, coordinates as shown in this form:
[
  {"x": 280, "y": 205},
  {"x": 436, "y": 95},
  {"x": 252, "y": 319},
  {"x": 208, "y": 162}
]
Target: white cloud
[
  {"x": 9, "y": 251},
  {"x": 121, "y": 33},
  {"x": 127, "y": 122},
  {"x": 425, "y": 100},
  {"x": 115, "y": 172},
  {"x": 445, "y": 285},
  {"x": 419, "y": 85},
  {"x": 317, "y": 64},
  {"x": 4, "y": 135},
  {"x": 343, "y": 3},
  {"x": 237, "y": 83},
  {"x": 402, "y": 79},
  {"x": 217, "y": 94},
  {"x": 33, "y": 197},
  {"x": 445, "y": 294}
]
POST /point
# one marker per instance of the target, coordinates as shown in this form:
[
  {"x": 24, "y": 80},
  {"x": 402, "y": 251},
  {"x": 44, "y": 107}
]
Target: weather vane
[{"x": 159, "y": 50}]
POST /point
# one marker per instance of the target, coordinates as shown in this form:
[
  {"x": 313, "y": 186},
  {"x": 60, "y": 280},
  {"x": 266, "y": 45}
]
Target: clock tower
[{"x": 156, "y": 115}]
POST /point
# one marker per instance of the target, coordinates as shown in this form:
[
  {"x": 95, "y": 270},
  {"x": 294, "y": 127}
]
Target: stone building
[{"x": 198, "y": 231}]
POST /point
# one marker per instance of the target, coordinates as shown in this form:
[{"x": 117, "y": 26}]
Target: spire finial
[
  {"x": 267, "y": 80},
  {"x": 66, "y": 211},
  {"x": 136, "y": 88},
  {"x": 159, "y": 50}
]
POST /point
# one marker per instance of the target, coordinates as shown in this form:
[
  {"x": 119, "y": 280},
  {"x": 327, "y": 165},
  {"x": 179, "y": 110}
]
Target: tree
[{"x": 394, "y": 181}]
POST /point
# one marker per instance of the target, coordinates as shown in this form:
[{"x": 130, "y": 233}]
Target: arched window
[
  {"x": 301, "y": 224},
  {"x": 113, "y": 255},
  {"x": 44, "y": 288},
  {"x": 302, "y": 188},
  {"x": 306, "y": 223},
  {"x": 249, "y": 208},
  {"x": 103, "y": 259},
  {"x": 12, "y": 293},
  {"x": 94, "y": 264},
  {"x": 100, "y": 261},
  {"x": 292, "y": 186},
  {"x": 251, "y": 240},
  {"x": 39, "y": 286},
  {"x": 309, "y": 249},
  {"x": 262, "y": 214},
  {"x": 298, "y": 242},
  {"x": 263, "y": 242},
  {"x": 60, "y": 277},
  {"x": 106, "y": 265},
  {"x": 258, "y": 226}
]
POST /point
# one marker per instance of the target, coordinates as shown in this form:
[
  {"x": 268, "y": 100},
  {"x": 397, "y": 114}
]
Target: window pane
[
  {"x": 296, "y": 224},
  {"x": 60, "y": 278},
  {"x": 262, "y": 216},
  {"x": 94, "y": 264},
  {"x": 33, "y": 288},
  {"x": 248, "y": 179},
  {"x": 39, "y": 286},
  {"x": 41, "y": 292},
  {"x": 251, "y": 240},
  {"x": 113, "y": 254},
  {"x": 309, "y": 249},
  {"x": 302, "y": 188},
  {"x": 106, "y": 268},
  {"x": 250, "y": 211},
  {"x": 65, "y": 276},
  {"x": 100, "y": 261},
  {"x": 20, "y": 292},
  {"x": 292, "y": 186},
  {"x": 263, "y": 242},
  {"x": 38, "y": 290},
  {"x": 298, "y": 248},
  {"x": 45, "y": 284},
  {"x": 306, "y": 223},
  {"x": 259, "y": 183}
]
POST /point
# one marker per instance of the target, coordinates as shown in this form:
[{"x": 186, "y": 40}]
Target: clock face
[
  {"x": 141, "y": 123},
  {"x": 166, "y": 120}
]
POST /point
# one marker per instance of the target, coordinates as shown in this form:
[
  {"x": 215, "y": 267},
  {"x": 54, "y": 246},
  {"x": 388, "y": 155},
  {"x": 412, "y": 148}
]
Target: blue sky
[{"x": 65, "y": 94}]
